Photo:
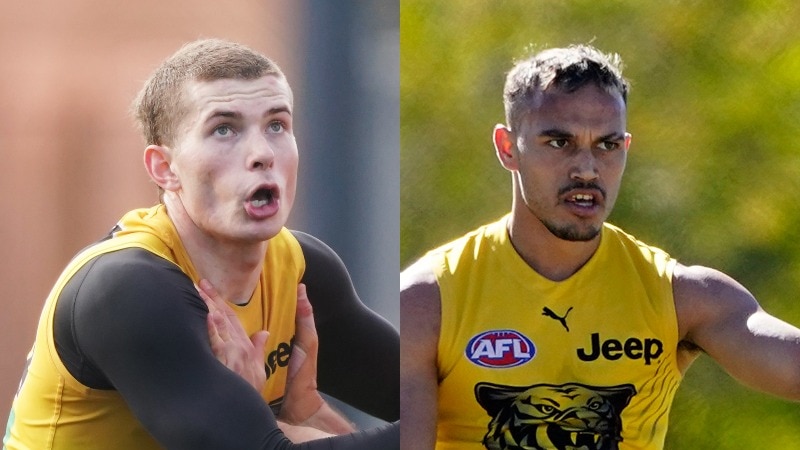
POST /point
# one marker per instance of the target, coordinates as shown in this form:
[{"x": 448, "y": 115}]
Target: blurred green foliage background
[{"x": 712, "y": 172}]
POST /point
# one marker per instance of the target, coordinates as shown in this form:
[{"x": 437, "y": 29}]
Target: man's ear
[
  {"x": 627, "y": 141},
  {"x": 504, "y": 146},
  {"x": 157, "y": 162}
]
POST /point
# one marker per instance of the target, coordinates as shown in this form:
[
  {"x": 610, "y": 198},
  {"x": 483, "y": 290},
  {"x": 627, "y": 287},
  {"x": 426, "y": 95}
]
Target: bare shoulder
[
  {"x": 699, "y": 286},
  {"x": 706, "y": 296}
]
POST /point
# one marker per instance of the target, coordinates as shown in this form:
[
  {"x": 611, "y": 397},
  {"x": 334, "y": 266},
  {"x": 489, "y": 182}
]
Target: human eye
[
  {"x": 558, "y": 143},
  {"x": 223, "y": 130},
  {"x": 608, "y": 145},
  {"x": 276, "y": 126}
]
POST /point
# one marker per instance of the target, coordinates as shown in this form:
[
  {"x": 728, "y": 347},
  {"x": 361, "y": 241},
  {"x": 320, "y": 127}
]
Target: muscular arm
[
  {"x": 718, "y": 315},
  {"x": 420, "y": 308},
  {"x": 358, "y": 350},
  {"x": 139, "y": 326}
]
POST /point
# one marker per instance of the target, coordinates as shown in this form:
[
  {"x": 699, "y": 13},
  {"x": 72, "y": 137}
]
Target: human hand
[
  {"x": 303, "y": 404},
  {"x": 229, "y": 342},
  {"x": 302, "y": 399}
]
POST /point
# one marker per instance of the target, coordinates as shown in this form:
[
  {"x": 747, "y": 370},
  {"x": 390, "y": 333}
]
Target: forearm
[
  {"x": 299, "y": 433},
  {"x": 361, "y": 368},
  {"x": 386, "y": 437},
  {"x": 329, "y": 420},
  {"x": 766, "y": 356},
  {"x": 235, "y": 417}
]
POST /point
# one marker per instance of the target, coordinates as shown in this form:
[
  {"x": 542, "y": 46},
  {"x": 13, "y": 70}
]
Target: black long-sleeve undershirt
[
  {"x": 350, "y": 334},
  {"x": 131, "y": 321}
]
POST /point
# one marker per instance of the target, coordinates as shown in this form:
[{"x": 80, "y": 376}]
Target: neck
[
  {"x": 232, "y": 267},
  {"x": 554, "y": 258}
]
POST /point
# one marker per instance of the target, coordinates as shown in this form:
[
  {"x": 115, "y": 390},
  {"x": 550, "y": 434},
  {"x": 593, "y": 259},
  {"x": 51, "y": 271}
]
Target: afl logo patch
[{"x": 500, "y": 349}]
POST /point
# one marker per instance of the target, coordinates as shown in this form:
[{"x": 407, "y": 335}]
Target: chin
[
  {"x": 264, "y": 233},
  {"x": 270, "y": 229},
  {"x": 574, "y": 233},
  {"x": 252, "y": 230}
]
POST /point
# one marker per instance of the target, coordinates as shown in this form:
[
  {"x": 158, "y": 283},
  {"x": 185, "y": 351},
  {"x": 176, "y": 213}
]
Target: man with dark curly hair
[{"x": 551, "y": 328}]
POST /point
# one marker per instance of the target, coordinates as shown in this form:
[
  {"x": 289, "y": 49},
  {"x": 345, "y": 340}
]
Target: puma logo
[{"x": 563, "y": 320}]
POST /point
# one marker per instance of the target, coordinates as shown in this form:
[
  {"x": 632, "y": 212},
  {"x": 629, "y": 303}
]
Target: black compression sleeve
[
  {"x": 359, "y": 351},
  {"x": 138, "y": 320}
]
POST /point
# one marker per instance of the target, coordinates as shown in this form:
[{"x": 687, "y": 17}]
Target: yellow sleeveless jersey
[
  {"x": 53, "y": 410},
  {"x": 525, "y": 362}
]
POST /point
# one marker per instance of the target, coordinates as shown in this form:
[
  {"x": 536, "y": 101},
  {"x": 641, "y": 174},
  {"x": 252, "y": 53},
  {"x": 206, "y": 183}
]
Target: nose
[
  {"x": 584, "y": 166},
  {"x": 260, "y": 154}
]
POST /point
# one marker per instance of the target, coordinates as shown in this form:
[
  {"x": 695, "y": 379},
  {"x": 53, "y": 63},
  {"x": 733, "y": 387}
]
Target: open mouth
[
  {"x": 584, "y": 196},
  {"x": 263, "y": 197},
  {"x": 584, "y": 200},
  {"x": 263, "y": 203}
]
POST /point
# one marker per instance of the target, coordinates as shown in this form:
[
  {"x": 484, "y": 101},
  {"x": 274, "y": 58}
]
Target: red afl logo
[{"x": 500, "y": 348}]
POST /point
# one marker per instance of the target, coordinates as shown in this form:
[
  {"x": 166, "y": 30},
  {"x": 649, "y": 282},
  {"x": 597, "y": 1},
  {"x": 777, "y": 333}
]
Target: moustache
[{"x": 579, "y": 185}]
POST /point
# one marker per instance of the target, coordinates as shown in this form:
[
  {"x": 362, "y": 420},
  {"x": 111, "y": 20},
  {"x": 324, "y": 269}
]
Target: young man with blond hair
[{"x": 123, "y": 358}]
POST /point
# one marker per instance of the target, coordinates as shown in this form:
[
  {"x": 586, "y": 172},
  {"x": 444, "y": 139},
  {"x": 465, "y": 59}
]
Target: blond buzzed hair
[{"x": 159, "y": 106}]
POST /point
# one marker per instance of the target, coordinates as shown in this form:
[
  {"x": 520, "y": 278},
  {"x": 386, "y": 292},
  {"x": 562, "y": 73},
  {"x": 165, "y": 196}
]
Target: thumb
[
  {"x": 259, "y": 340},
  {"x": 304, "y": 309},
  {"x": 305, "y": 329}
]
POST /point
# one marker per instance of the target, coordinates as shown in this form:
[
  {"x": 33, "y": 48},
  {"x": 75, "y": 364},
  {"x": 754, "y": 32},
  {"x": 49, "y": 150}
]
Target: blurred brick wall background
[{"x": 71, "y": 153}]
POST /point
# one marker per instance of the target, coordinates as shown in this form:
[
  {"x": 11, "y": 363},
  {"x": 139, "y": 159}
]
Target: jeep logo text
[
  {"x": 612, "y": 349},
  {"x": 279, "y": 357}
]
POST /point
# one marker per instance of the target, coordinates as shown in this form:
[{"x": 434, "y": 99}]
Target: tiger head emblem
[{"x": 545, "y": 417}]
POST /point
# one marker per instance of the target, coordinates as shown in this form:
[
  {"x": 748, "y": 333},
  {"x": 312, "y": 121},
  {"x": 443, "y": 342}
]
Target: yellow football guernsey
[
  {"x": 55, "y": 411},
  {"x": 525, "y": 362}
]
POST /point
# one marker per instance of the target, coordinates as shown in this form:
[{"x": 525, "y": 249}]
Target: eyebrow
[
  {"x": 613, "y": 137},
  {"x": 558, "y": 133},
  {"x": 237, "y": 115}
]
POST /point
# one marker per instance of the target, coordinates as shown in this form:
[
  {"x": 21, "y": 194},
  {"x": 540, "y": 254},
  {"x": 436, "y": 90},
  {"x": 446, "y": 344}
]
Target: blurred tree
[{"x": 714, "y": 111}]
